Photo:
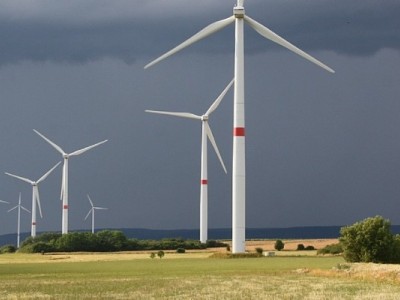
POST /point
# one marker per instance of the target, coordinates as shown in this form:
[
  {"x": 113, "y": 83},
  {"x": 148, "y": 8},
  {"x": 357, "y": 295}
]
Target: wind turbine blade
[
  {"x": 218, "y": 100},
  {"x": 4, "y": 202},
  {"x": 27, "y": 210},
  {"x": 175, "y": 114},
  {"x": 267, "y": 33},
  {"x": 36, "y": 191},
  {"x": 206, "y": 31},
  {"x": 21, "y": 178},
  {"x": 12, "y": 208},
  {"x": 77, "y": 152},
  {"x": 58, "y": 148},
  {"x": 88, "y": 213},
  {"x": 90, "y": 200},
  {"x": 96, "y": 207},
  {"x": 62, "y": 181},
  {"x": 212, "y": 140},
  {"x": 48, "y": 173}
]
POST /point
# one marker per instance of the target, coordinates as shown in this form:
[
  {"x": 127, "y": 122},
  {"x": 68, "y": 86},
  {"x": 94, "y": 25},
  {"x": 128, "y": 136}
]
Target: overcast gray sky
[{"x": 322, "y": 149}]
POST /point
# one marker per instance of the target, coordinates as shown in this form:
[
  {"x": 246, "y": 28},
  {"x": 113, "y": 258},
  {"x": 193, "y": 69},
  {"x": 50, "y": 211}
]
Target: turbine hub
[
  {"x": 204, "y": 118},
  {"x": 238, "y": 12}
]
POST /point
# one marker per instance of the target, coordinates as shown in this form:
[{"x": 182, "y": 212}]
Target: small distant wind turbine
[
  {"x": 205, "y": 133},
  {"x": 239, "y": 161},
  {"x": 91, "y": 211},
  {"x": 64, "y": 183},
  {"x": 19, "y": 206},
  {"x": 35, "y": 195}
]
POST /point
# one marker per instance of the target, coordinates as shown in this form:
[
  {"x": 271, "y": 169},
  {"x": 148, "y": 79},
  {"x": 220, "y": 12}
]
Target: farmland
[{"x": 193, "y": 275}]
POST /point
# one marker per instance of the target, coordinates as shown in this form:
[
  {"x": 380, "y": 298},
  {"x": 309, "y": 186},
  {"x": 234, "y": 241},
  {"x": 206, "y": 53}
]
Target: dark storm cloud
[
  {"x": 322, "y": 149},
  {"x": 85, "y": 31}
]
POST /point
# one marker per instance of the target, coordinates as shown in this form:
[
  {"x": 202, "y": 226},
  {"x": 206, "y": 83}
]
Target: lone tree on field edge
[
  {"x": 279, "y": 245},
  {"x": 370, "y": 240}
]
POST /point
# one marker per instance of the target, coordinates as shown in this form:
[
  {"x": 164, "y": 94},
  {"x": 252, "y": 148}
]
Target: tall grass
[{"x": 193, "y": 278}]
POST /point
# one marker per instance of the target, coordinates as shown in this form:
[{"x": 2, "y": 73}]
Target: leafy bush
[
  {"x": 331, "y": 249},
  {"x": 75, "y": 241},
  {"x": 259, "y": 251},
  {"x": 308, "y": 248},
  {"x": 215, "y": 244},
  {"x": 180, "y": 250},
  {"x": 111, "y": 240},
  {"x": 370, "y": 240},
  {"x": 8, "y": 249},
  {"x": 279, "y": 245},
  {"x": 300, "y": 247},
  {"x": 39, "y": 247}
]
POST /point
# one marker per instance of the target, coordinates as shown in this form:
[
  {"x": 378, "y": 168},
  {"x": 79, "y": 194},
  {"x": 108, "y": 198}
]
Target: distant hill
[{"x": 310, "y": 232}]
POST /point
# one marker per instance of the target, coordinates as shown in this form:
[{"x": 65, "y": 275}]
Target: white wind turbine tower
[
  {"x": 238, "y": 167},
  {"x": 205, "y": 133},
  {"x": 64, "y": 183},
  {"x": 19, "y": 206},
  {"x": 91, "y": 211},
  {"x": 35, "y": 195}
]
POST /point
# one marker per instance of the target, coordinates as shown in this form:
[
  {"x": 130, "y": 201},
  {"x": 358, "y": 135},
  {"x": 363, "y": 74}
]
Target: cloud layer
[{"x": 76, "y": 31}]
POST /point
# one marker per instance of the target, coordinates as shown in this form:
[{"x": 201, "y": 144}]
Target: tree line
[{"x": 104, "y": 241}]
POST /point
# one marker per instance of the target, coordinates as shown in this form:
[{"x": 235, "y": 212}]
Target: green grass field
[{"x": 187, "y": 278}]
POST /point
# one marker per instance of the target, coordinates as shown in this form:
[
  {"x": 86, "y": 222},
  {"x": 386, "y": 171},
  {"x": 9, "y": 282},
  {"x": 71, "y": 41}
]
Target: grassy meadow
[{"x": 185, "y": 276}]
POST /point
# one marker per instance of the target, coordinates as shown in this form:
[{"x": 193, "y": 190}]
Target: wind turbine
[
  {"x": 91, "y": 211},
  {"x": 205, "y": 133},
  {"x": 64, "y": 183},
  {"x": 35, "y": 195},
  {"x": 19, "y": 206},
  {"x": 239, "y": 162}
]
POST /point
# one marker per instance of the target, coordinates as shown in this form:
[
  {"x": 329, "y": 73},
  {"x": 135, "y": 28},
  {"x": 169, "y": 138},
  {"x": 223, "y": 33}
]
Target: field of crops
[{"x": 186, "y": 276}]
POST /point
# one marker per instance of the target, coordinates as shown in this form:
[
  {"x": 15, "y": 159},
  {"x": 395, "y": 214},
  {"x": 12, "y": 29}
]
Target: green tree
[
  {"x": 74, "y": 241},
  {"x": 279, "y": 245},
  {"x": 160, "y": 254},
  {"x": 111, "y": 240},
  {"x": 369, "y": 240}
]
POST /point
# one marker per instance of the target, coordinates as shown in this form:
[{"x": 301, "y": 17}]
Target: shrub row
[
  {"x": 301, "y": 247},
  {"x": 103, "y": 241}
]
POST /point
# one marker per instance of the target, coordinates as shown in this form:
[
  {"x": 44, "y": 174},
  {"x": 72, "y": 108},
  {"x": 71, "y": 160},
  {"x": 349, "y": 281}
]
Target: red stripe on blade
[
  {"x": 238, "y": 131},
  {"x": 65, "y": 206},
  {"x": 204, "y": 181}
]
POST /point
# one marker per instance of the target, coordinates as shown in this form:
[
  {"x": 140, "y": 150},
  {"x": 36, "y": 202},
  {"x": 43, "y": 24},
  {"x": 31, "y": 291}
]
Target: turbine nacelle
[
  {"x": 204, "y": 118},
  {"x": 238, "y": 12}
]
